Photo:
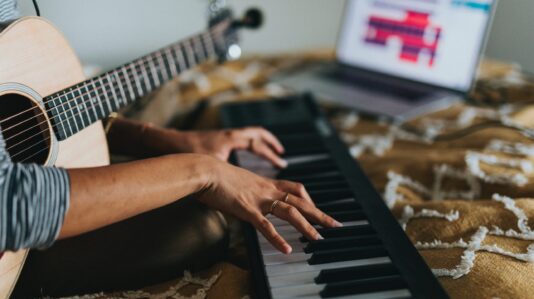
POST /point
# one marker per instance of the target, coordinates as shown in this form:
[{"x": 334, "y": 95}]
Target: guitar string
[
  {"x": 133, "y": 75},
  {"x": 213, "y": 33},
  {"x": 143, "y": 60},
  {"x": 87, "y": 102},
  {"x": 100, "y": 88},
  {"x": 89, "y": 107},
  {"x": 59, "y": 123},
  {"x": 48, "y": 137}
]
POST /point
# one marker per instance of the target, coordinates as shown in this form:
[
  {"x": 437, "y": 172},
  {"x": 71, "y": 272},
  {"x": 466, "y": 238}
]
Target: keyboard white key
[
  {"x": 312, "y": 290},
  {"x": 268, "y": 249},
  {"x": 289, "y": 279},
  {"x": 294, "y": 257},
  {"x": 299, "y": 267}
]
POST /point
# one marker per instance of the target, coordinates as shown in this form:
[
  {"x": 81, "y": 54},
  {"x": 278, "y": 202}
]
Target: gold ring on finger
[
  {"x": 273, "y": 206},
  {"x": 286, "y": 198}
]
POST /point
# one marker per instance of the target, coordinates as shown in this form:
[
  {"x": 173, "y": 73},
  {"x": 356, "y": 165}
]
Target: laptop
[{"x": 401, "y": 58}]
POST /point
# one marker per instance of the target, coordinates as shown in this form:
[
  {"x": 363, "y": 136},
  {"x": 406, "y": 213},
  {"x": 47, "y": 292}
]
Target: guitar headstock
[{"x": 224, "y": 29}]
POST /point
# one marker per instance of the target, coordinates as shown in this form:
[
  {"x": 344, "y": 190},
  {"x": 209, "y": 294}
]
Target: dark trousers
[{"x": 144, "y": 250}]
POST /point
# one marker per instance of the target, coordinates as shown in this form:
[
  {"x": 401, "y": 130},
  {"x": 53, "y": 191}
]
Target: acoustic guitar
[{"x": 50, "y": 114}]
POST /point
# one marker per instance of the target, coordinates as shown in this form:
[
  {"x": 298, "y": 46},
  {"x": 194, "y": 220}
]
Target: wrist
[{"x": 207, "y": 168}]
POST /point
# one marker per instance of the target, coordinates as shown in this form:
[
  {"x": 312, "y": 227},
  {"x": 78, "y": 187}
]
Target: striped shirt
[
  {"x": 33, "y": 202},
  {"x": 33, "y": 199},
  {"x": 8, "y": 10}
]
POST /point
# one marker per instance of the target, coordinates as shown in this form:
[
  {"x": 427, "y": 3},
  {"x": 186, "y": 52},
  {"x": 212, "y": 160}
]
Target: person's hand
[
  {"x": 221, "y": 143},
  {"x": 250, "y": 197}
]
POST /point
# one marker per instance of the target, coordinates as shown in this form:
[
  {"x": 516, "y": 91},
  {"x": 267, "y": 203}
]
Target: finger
[
  {"x": 292, "y": 215},
  {"x": 267, "y": 229},
  {"x": 239, "y": 140},
  {"x": 271, "y": 140},
  {"x": 312, "y": 213},
  {"x": 294, "y": 188},
  {"x": 266, "y": 152}
]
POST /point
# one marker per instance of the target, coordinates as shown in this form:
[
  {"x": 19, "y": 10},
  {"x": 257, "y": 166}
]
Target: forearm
[
  {"x": 139, "y": 139},
  {"x": 125, "y": 137},
  {"x": 105, "y": 195}
]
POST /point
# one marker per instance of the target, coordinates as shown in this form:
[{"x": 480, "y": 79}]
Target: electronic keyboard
[{"x": 369, "y": 257}]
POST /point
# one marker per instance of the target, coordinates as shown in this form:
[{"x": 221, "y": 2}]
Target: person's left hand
[{"x": 221, "y": 143}]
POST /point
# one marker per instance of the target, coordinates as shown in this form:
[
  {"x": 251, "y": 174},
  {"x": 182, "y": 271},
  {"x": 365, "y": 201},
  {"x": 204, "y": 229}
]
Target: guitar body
[{"x": 34, "y": 54}]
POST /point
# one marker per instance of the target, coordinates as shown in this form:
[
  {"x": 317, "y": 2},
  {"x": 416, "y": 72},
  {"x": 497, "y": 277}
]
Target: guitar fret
[
  {"x": 172, "y": 62},
  {"x": 58, "y": 103},
  {"x": 197, "y": 43},
  {"x": 84, "y": 110},
  {"x": 73, "y": 116},
  {"x": 146, "y": 79},
  {"x": 104, "y": 90},
  {"x": 210, "y": 46},
  {"x": 136, "y": 78},
  {"x": 153, "y": 70},
  {"x": 181, "y": 59},
  {"x": 114, "y": 94},
  {"x": 189, "y": 53},
  {"x": 128, "y": 84},
  {"x": 116, "y": 80},
  {"x": 91, "y": 110},
  {"x": 77, "y": 109},
  {"x": 167, "y": 64},
  {"x": 96, "y": 101},
  {"x": 122, "y": 98},
  {"x": 164, "y": 74}
]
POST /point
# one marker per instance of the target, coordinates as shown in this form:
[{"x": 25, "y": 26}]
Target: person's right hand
[{"x": 250, "y": 197}]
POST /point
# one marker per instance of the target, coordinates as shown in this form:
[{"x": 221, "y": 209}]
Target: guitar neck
[{"x": 81, "y": 105}]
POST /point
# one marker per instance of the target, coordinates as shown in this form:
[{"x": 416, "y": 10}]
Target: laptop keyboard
[{"x": 350, "y": 78}]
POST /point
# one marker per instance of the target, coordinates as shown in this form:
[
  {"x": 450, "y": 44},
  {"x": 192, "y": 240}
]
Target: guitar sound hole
[{"x": 24, "y": 128}]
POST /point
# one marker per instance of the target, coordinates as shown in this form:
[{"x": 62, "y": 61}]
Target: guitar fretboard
[{"x": 79, "y": 106}]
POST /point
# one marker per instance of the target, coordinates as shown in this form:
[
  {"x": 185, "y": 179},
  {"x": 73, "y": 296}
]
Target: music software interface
[{"x": 432, "y": 41}]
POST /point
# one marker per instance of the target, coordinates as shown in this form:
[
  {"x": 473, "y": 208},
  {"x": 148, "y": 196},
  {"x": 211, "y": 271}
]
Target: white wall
[
  {"x": 111, "y": 32},
  {"x": 512, "y": 37}
]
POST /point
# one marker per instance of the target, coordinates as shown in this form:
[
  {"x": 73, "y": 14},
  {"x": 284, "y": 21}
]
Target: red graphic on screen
[{"x": 416, "y": 33}]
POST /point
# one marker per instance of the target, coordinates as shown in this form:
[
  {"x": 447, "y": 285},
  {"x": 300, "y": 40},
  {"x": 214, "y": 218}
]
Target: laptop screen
[{"x": 431, "y": 41}]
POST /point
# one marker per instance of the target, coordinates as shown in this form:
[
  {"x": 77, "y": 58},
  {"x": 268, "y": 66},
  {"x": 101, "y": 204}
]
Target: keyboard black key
[
  {"x": 292, "y": 129},
  {"x": 339, "y": 206},
  {"x": 307, "y": 168},
  {"x": 301, "y": 140},
  {"x": 362, "y": 286},
  {"x": 326, "y": 185},
  {"x": 351, "y": 215},
  {"x": 317, "y": 177},
  {"x": 336, "y": 243},
  {"x": 346, "y": 254},
  {"x": 346, "y": 231},
  {"x": 357, "y": 272},
  {"x": 330, "y": 195}
]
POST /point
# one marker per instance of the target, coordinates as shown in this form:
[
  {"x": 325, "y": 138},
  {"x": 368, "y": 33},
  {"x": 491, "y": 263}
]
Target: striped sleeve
[
  {"x": 8, "y": 10},
  {"x": 33, "y": 202}
]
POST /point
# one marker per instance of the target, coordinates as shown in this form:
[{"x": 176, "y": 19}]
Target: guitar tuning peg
[{"x": 252, "y": 19}]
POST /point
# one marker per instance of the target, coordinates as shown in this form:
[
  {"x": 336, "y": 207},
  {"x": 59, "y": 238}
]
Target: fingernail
[
  {"x": 338, "y": 224},
  {"x": 283, "y": 163},
  {"x": 319, "y": 237},
  {"x": 287, "y": 249}
]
